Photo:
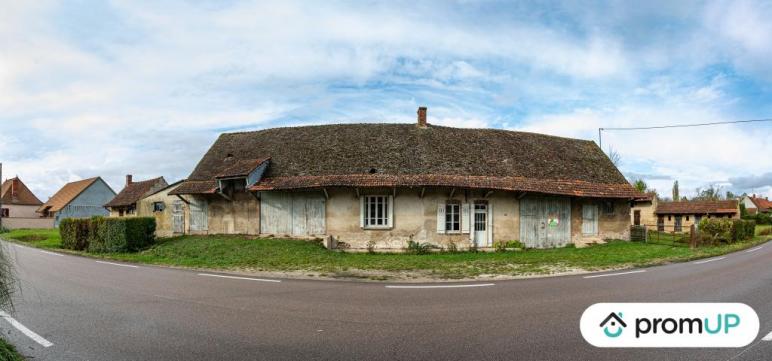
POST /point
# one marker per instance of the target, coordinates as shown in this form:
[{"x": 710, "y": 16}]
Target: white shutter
[
  {"x": 489, "y": 226},
  {"x": 362, "y": 212},
  {"x": 441, "y": 218},
  {"x": 466, "y": 218},
  {"x": 391, "y": 212}
]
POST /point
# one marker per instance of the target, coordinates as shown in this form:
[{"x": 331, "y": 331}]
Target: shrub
[
  {"x": 8, "y": 285},
  {"x": 418, "y": 247},
  {"x": 100, "y": 234},
  {"x": 371, "y": 247},
  {"x": 725, "y": 230},
  {"x": 500, "y": 246},
  {"x": 4, "y": 230},
  {"x": 74, "y": 233},
  {"x": 515, "y": 244},
  {"x": 452, "y": 247}
]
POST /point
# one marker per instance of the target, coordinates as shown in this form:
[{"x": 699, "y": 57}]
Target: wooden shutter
[
  {"x": 391, "y": 212},
  {"x": 362, "y": 212},
  {"x": 466, "y": 218},
  {"x": 441, "y": 218},
  {"x": 489, "y": 226}
]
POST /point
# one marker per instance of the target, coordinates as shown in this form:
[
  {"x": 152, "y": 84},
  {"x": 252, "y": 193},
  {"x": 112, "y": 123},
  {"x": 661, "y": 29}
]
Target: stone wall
[{"x": 610, "y": 226}]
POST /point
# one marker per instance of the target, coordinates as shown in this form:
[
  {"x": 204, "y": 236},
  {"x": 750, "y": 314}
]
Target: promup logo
[
  {"x": 613, "y": 319},
  {"x": 669, "y": 325}
]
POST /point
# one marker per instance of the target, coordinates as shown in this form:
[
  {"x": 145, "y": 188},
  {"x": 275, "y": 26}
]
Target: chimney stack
[
  {"x": 128, "y": 179},
  {"x": 15, "y": 188},
  {"x": 422, "y": 117}
]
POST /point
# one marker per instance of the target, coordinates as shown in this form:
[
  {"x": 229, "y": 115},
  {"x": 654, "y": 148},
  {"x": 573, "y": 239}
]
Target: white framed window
[
  {"x": 453, "y": 217},
  {"x": 376, "y": 212}
]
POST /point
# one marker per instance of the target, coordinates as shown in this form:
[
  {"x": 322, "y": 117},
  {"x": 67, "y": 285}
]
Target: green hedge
[
  {"x": 74, "y": 233},
  {"x": 100, "y": 234},
  {"x": 726, "y": 230},
  {"x": 760, "y": 218}
]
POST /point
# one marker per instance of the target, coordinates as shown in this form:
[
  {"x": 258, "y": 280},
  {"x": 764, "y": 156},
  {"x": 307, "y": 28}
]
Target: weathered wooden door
[
  {"x": 637, "y": 217},
  {"x": 178, "y": 217},
  {"x": 545, "y": 222},
  {"x": 590, "y": 219},
  {"x": 678, "y": 224},
  {"x": 199, "y": 215},
  {"x": 296, "y": 214}
]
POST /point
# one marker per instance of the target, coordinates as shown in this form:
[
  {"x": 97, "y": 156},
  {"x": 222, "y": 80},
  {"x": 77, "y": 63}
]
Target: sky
[{"x": 109, "y": 88}]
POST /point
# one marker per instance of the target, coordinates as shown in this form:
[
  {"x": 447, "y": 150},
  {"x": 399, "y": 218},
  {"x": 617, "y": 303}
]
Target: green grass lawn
[
  {"x": 250, "y": 254},
  {"x": 8, "y": 352}
]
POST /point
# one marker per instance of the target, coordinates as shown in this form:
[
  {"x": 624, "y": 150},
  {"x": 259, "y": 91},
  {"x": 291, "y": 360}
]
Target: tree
[
  {"x": 730, "y": 195},
  {"x": 640, "y": 185},
  {"x": 615, "y": 157},
  {"x": 710, "y": 193},
  {"x": 676, "y": 194}
]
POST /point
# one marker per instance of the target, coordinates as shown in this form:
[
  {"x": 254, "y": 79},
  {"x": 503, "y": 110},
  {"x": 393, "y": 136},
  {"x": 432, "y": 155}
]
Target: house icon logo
[{"x": 613, "y": 321}]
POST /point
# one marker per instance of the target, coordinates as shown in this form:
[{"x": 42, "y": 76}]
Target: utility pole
[{"x": 600, "y": 138}]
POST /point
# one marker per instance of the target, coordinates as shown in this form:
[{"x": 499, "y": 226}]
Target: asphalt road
[{"x": 101, "y": 311}]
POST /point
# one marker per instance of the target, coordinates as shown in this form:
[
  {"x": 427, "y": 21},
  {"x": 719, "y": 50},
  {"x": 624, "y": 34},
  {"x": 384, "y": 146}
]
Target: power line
[{"x": 600, "y": 130}]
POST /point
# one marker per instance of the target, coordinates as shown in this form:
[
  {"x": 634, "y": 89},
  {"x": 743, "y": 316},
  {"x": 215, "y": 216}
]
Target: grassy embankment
[{"x": 237, "y": 253}]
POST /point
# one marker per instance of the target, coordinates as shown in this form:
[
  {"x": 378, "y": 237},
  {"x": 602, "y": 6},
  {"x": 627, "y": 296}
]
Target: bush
[
  {"x": 726, "y": 230},
  {"x": 100, "y": 234},
  {"x": 4, "y": 230},
  {"x": 502, "y": 246},
  {"x": 74, "y": 233},
  {"x": 418, "y": 248}
]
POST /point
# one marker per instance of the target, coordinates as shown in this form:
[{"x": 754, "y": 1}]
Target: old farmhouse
[
  {"x": 386, "y": 184},
  {"x": 168, "y": 211},
  {"x": 679, "y": 216},
  {"x": 125, "y": 203},
  {"x": 19, "y": 206},
  {"x": 81, "y": 199}
]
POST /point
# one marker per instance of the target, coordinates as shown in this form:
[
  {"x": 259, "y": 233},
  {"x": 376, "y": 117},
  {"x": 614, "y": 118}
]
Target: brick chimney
[
  {"x": 15, "y": 188},
  {"x": 128, "y": 179},
  {"x": 422, "y": 117}
]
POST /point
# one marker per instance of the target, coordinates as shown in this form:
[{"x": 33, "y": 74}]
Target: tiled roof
[
  {"x": 697, "y": 207},
  {"x": 241, "y": 168},
  {"x": 547, "y": 186},
  {"x": 14, "y": 191},
  {"x": 136, "y": 191},
  {"x": 762, "y": 204},
  {"x": 65, "y": 195},
  {"x": 403, "y": 154},
  {"x": 196, "y": 187}
]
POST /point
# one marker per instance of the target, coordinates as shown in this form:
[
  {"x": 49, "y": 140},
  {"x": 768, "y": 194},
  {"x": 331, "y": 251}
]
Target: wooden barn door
[
  {"x": 199, "y": 215},
  {"x": 178, "y": 217},
  {"x": 590, "y": 219},
  {"x": 545, "y": 222},
  {"x": 296, "y": 214}
]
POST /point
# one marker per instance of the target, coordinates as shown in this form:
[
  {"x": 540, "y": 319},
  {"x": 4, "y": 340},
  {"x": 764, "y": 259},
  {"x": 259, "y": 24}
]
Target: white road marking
[
  {"x": 754, "y": 249},
  {"x": 616, "y": 274},
  {"x": 239, "y": 278},
  {"x": 35, "y": 337},
  {"x": 768, "y": 337},
  {"x": 709, "y": 260},
  {"x": 446, "y": 286},
  {"x": 53, "y": 254},
  {"x": 118, "y": 264}
]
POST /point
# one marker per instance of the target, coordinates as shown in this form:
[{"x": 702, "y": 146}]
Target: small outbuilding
[
  {"x": 80, "y": 199},
  {"x": 679, "y": 216},
  {"x": 125, "y": 203},
  {"x": 19, "y": 206},
  {"x": 168, "y": 211}
]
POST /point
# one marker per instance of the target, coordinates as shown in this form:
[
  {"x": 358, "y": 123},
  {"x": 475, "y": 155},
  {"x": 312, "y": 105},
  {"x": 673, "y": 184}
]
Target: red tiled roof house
[
  {"x": 19, "y": 206},
  {"x": 754, "y": 205},
  {"x": 387, "y": 184},
  {"x": 125, "y": 203},
  {"x": 679, "y": 216}
]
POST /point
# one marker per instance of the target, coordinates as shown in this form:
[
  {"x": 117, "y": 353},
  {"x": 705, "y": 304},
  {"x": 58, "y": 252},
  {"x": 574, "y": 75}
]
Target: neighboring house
[
  {"x": 19, "y": 205},
  {"x": 642, "y": 210},
  {"x": 387, "y": 184},
  {"x": 679, "y": 216},
  {"x": 168, "y": 211},
  {"x": 81, "y": 199},
  {"x": 755, "y": 204},
  {"x": 125, "y": 203}
]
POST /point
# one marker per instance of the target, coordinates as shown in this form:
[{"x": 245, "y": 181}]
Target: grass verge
[
  {"x": 8, "y": 352},
  {"x": 239, "y": 253}
]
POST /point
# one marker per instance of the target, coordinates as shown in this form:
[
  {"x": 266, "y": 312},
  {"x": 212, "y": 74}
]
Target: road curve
[{"x": 93, "y": 310}]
